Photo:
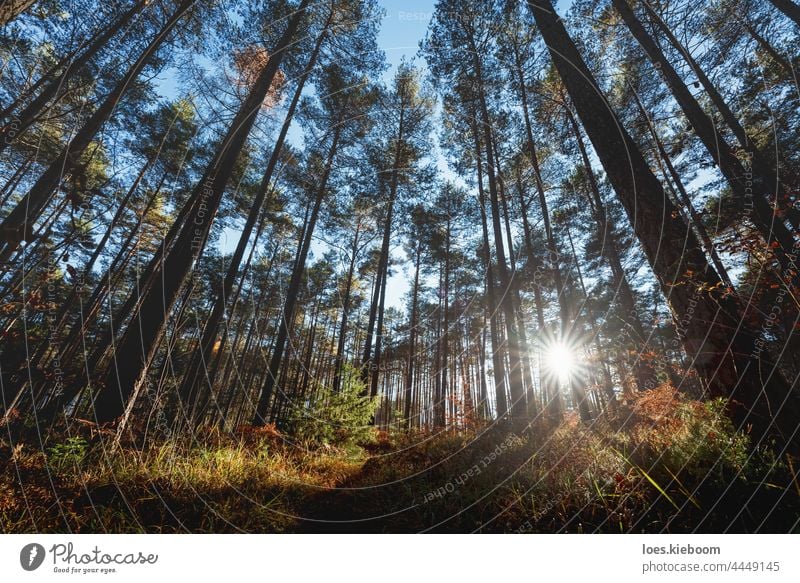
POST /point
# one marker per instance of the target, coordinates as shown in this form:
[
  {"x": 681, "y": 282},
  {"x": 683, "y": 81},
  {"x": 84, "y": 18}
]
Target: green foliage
[
  {"x": 67, "y": 455},
  {"x": 340, "y": 418},
  {"x": 708, "y": 445}
]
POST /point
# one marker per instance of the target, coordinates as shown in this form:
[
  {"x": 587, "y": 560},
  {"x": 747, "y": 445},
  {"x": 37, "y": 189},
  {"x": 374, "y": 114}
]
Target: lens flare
[{"x": 560, "y": 361}]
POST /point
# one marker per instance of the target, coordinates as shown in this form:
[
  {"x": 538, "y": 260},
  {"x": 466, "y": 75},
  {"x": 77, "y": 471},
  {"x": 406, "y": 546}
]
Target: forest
[{"x": 533, "y": 272}]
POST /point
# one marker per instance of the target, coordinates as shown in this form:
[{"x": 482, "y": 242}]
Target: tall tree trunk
[
  {"x": 695, "y": 219},
  {"x": 554, "y": 402},
  {"x": 727, "y": 355},
  {"x": 412, "y": 337},
  {"x": 288, "y": 313},
  {"x": 10, "y": 9},
  {"x": 370, "y": 363},
  {"x": 761, "y": 166},
  {"x": 57, "y": 83},
  {"x": 492, "y": 305},
  {"x": 518, "y": 406},
  {"x": 643, "y": 372},
  {"x": 375, "y": 364},
  {"x": 196, "y": 372},
  {"x": 342, "y": 339},
  {"x": 771, "y": 228},
  {"x": 138, "y": 344},
  {"x": 62, "y": 315},
  {"x": 525, "y": 360},
  {"x": 767, "y": 47},
  {"x": 789, "y": 9},
  {"x": 18, "y": 225},
  {"x": 439, "y": 406},
  {"x": 579, "y": 384}
]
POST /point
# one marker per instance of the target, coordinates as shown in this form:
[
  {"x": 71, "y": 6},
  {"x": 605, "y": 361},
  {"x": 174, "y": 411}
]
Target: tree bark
[
  {"x": 22, "y": 121},
  {"x": 492, "y": 305},
  {"x": 200, "y": 356},
  {"x": 771, "y": 228},
  {"x": 643, "y": 371},
  {"x": 288, "y": 314},
  {"x": 340, "y": 344},
  {"x": 412, "y": 338},
  {"x": 789, "y": 9}
]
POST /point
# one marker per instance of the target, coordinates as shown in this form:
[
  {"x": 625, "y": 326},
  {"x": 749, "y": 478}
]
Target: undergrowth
[{"x": 664, "y": 463}]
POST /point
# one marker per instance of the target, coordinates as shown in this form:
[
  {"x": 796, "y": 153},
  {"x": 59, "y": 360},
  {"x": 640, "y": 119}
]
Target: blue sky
[{"x": 404, "y": 25}]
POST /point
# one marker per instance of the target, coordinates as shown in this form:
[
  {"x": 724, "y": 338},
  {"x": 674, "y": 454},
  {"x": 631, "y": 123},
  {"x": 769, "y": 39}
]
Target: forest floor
[{"x": 674, "y": 465}]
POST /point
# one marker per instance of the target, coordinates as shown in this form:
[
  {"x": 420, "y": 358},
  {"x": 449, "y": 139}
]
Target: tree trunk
[
  {"x": 525, "y": 360},
  {"x": 767, "y": 47},
  {"x": 412, "y": 338},
  {"x": 492, "y": 305},
  {"x": 518, "y": 407},
  {"x": 767, "y": 171},
  {"x": 439, "y": 406},
  {"x": 369, "y": 362},
  {"x": 18, "y": 225},
  {"x": 725, "y": 352},
  {"x": 644, "y": 373},
  {"x": 287, "y": 316},
  {"x": 10, "y": 9},
  {"x": 685, "y": 199},
  {"x": 789, "y": 9},
  {"x": 58, "y": 83},
  {"x": 340, "y": 344},
  {"x": 200, "y": 356},
  {"x": 771, "y": 229},
  {"x": 138, "y": 344}
]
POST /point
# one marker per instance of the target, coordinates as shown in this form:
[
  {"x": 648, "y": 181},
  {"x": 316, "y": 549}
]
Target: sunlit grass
[{"x": 662, "y": 464}]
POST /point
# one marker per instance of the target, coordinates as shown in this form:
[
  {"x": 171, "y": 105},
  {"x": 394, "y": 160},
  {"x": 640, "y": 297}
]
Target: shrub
[
  {"x": 67, "y": 455},
  {"x": 342, "y": 418}
]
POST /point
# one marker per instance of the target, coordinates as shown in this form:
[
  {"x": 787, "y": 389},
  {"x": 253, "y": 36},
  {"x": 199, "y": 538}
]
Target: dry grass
[
  {"x": 241, "y": 483},
  {"x": 665, "y": 463}
]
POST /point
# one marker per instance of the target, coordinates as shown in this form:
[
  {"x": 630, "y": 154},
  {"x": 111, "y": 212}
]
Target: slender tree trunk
[
  {"x": 439, "y": 406},
  {"x": 766, "y": 170},
  {"x": 412, "y": 337},
  {"x": 375, "y": 365},
  {"x": 525, "y": 360},
  {"x": 18, "y": 225},
  {"x": 492, "y": 305},
  {"x": 288, "y": 314},
  {"x": 685, "y": 199},
  {"x": 767, "y": 47},
  {"x": 370, "y": 363},
  {"x": 518, "y": 407},
  {"x": 579, "y": 383},
  {"x": 757, "y": 195},
  {"x": 138, "y": 344},
  {"x": 10, "y": 9},
  {"x": 643, "y": 371},
  {"x": 57, "y": 83},
  {"x": 337, "y": 379},
  {"x": 197, "y": 371},
  {"x": 789, "y": 9}
]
